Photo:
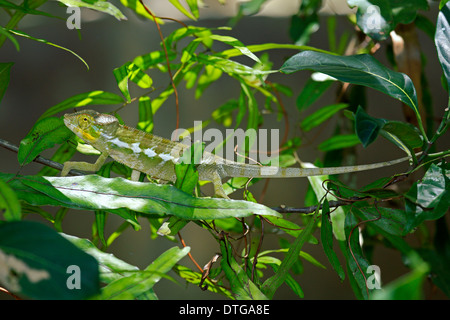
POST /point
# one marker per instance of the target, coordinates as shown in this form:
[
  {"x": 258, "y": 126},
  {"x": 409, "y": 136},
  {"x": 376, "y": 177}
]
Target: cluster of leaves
[{"x": 34, "y": 259}]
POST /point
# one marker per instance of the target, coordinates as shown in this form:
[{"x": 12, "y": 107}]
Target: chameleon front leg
[{"x": 84, "y": 166}]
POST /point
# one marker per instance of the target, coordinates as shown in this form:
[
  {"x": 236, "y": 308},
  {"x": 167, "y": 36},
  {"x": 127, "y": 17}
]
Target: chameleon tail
[{"x": 254, "y": 171}]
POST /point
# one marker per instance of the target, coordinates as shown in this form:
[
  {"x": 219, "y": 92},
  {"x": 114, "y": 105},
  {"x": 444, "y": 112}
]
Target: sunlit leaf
[
  {"x": 84, "y": 99},
  {"x": 92, "y": 192},
  {"x": 97, "y": 5}
]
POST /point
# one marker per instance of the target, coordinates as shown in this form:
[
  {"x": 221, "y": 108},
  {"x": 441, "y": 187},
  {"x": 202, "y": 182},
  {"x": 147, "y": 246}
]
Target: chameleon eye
[{"x": 84, "y": 121}]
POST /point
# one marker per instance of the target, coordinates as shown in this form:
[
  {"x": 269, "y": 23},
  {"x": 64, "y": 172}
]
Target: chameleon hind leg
[
  {"x": 218, "y": 186},
  {"x": 84, "y": 166}
]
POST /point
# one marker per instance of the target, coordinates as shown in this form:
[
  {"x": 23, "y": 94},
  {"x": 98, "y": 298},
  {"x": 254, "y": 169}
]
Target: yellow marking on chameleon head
[{"x": 88, "y": 136}]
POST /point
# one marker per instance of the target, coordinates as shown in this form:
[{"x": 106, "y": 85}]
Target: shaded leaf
[
  {"x": 5, "y": 69},
  {"x": 360, "y": 69},
  {"x": 321, "y": 115},
  {"x": 133, "y": 286},
  {"x": 339, "y": 142},
  {"x": 442, "y": 39},
  {"x": 326, "y": 237},
  {"x": 274, "y": 282},
  {"x": 241, "y": 286},
  {"x": 367, "y": 127},
  {"x": 110, "y": 267},
  {"x": 196, "y": 278},
  {"x": 9, "y": 204},
  {"x": 44, "y": 135},
  {"x": 312, "y": 91},
  {"x": 428, "y": 199},
  {"x": 36, "y": 262},
  {"x": 377, "y": 18}
]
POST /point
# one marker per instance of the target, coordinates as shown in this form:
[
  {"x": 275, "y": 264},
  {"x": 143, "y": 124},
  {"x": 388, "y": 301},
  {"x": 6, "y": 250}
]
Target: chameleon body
[{"x": 157, "y": 157}]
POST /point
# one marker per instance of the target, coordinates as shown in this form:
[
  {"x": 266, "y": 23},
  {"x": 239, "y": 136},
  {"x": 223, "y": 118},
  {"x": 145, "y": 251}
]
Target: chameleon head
[{"x": 90, "y": 125}]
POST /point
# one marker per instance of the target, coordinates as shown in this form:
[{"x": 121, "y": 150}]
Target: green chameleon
[{"x": 156, "y": 156}]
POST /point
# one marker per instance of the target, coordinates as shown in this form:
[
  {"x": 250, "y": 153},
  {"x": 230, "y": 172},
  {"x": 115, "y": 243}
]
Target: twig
[
  {"x": 311, "y": 209},
  {"x": 39, "y": 159},
  {"x": 167, "y": 61}
]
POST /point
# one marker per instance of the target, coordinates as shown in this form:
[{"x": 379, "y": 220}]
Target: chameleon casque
[{"x": 157, "y": 157}]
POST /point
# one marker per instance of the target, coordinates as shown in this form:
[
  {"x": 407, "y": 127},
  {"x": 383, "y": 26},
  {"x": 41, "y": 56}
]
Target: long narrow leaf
[
  {"x": 23, "y": 34},
  {"x": 93, "y": 192}
]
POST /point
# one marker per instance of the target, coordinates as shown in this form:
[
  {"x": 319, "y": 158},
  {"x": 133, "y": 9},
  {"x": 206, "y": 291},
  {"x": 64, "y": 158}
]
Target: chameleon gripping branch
[{"x": 157, "y": 157}]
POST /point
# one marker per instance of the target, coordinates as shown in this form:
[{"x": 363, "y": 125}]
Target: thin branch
[
  {"x": 167, "y": 61},
  {"x": 311, "y": 209},
  {"x": 39, "y": 159}
]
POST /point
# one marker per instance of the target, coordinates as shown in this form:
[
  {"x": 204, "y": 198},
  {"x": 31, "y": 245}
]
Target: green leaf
[
  {"x": 390, "y": 220},
  {"x": 196, "y": 278},
  {"x": 361, "y": 69},
  {"x": 63, "y": 154},
  {"x": 133, "y": 286},
  {"x": 305, "y": 22},
  {"x": 38, "y": 263},
  {"x": 97, "y": 5},
  {"x": 428, "y": 199},
  {"x": 231, "y": 41},
  {"x": 130, "y": 71},
  {"x": 438, "y": 263},
  {"x": 356, "y": 261},
  {"x": 402, "y": 134},
  {"x": 241, "y": 286},
  {"x": 339, "y": 142},
  {"x": 92, "y": 192},
  {"x": 145, "y": 115},
  {"x": 137, "y": 7},
  {"x": 210, "y": 75},
  {"x": 407, "y": 287},
  {"x": 186, "y": 172},
  {"x": 442, "y": 39},
  {"x": 377, "y": 18},
  {"x": 5, "y": 69},
  {"x": 367, "y": 127},
  {"x": 84, "y": 99},
  {"x": 23, "y": 34},
  {"x": 312, "y": 91},
  {"x": 44, "y": 135},
  {"x": 180, "y": 7},
  {"x": 9, "y": 204},
  {"x": 321, "y": 115},
  {"x": 326, "y": 237},
  {"x": 274, "y": 282},
  {"x": 110, "y": 267}
]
